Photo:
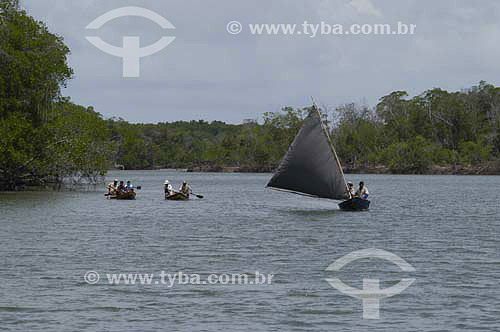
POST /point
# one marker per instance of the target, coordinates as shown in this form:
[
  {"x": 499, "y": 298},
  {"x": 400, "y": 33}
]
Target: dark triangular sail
[{"x": 311, "y": 166}]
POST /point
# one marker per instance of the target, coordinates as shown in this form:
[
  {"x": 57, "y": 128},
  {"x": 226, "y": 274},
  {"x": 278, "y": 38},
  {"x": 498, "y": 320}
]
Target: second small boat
[
  {"x": 177, "y": 196},
  {"x": 355, "y": 204}
]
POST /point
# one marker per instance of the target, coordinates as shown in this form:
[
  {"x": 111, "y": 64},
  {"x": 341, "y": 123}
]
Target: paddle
[{"x": 199, "y": 196}]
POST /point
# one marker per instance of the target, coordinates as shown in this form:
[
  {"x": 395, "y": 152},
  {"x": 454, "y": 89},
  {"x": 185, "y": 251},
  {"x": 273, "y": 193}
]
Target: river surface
[{"x": 446, "y": 227}]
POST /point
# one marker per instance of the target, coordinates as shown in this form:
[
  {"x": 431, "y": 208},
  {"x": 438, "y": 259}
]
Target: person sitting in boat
[
  {"x": 362, "y": 191},
  {"x": 350, "y": 187},
  {"x": 168, "y": 188},
  {"x": 112, "y": 186},
  {"x": 129, "y": 186},
  {"x": 185, "y": 188},
  {"x": 121, "y": 188}
]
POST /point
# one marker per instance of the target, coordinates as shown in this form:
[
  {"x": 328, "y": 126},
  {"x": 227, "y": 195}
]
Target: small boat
[
  {"x": 311, "y": 166},
  {"x": 355, "y": 204},
  {"x": 126, "y": 195},
  {"x": 177, "y": 196}
]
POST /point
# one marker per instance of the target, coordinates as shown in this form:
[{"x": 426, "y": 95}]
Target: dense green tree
[
  {"x": 44, "y": 137},
  {"x": 412, "y": 157},
  {"x": 357, "y": 135}
]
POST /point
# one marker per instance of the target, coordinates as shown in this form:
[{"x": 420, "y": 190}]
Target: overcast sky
[{"x": 207, "y": 73}]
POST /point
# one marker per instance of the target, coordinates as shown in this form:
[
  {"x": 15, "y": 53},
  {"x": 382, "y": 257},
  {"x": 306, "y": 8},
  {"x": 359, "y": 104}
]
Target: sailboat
[{"x": 311, "y": 167}]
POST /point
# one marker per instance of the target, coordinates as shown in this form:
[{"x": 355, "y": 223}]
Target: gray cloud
[{"x": 207, "y": 73}]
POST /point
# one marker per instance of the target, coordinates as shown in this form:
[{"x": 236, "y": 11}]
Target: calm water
[{"x": 446, "y": 227}]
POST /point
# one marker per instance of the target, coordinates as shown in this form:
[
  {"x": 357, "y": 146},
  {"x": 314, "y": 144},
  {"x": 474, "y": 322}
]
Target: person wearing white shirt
[
  {"x": 350, "y": 188},
  {"x": 168, "y": 188},
  {"x": 362, "y": 191}
]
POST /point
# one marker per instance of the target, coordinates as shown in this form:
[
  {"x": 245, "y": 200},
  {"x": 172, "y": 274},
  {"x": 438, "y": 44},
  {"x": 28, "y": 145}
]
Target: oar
[{"x": 199, "y": 196}]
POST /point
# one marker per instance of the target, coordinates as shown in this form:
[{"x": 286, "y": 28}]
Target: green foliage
[
  {"x": 442, "y": 156},
  {"x": 80, "y": 142},
  {"x": 199, "y": 143},
  {"x": 15, "y": 146},
  {"x": 411, "y": 157},
  {"x": 406, "y": 135},
  {"x": 448, "y": 125},
  {"x": 474, "y": 153},
  {"x": 357, "y": 135},
  {"x": 33, "y": 64},
  {"x": 44, "y": 137}
]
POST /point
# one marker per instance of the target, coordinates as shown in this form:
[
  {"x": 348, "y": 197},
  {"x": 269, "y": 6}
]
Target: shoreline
[
  {"x": 489, "y": 169},
  {"x": 492, "y": 168}
]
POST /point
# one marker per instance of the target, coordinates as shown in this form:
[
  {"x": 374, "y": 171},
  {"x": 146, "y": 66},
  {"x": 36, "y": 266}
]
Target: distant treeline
[
  {"x": 46, "y": 138},
  {"x": 457, "y": 130},
  {"x": 201, "y": 144},
  {"x": 454, "y": 131}
]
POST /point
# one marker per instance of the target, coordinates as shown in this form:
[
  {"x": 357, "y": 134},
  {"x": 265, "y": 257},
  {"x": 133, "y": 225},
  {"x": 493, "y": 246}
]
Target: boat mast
[{"x": 325, "y": 131}]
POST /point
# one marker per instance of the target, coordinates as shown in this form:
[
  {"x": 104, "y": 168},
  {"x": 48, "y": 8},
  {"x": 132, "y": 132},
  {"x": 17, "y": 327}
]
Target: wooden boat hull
[
  {"x": 355, "y": 204},
  {"x": 177, "y": 197},
  {"x": 129, "y": 195}
]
